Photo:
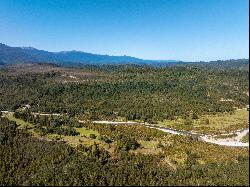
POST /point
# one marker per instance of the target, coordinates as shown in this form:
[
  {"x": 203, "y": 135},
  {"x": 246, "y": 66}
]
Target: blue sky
[{"x": 191, "y": 30}]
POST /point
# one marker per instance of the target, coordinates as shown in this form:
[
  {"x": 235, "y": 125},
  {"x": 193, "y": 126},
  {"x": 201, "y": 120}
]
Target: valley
[
  {"x": 124, "y": 93},
  {"x": 168, "y": 121}
]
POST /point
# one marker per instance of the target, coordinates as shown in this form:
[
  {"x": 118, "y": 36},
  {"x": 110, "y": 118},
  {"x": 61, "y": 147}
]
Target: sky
[{"x": 187, "y": 30}]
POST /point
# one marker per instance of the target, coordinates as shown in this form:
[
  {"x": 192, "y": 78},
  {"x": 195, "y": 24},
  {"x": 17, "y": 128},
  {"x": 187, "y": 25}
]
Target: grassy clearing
[
  {"x": 173, "y": 147},
  {"x": 149, "y": 144},
  {"x": 119, "y": 118},
  {"x": 22, "y": 124},
  {"x": 85, "y": 132},
  {"x": 205, "y": 152},
  {"x": 177, "y": 124},
  {"x": 219, "y": 123},
  {"x": 239, "y": 117},
  {"x": 74, "y": 140},
  {"x": 148, "y": 147},
  {"x": 245, "y": 139},
  {"x": 84, "y": 136}
]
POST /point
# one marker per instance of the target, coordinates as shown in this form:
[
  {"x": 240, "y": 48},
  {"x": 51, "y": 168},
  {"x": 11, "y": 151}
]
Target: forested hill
[
  {"x": 28, "y": 54},
  {"x": 11, "y": 55},
  {"x": 241, "y": 64}
]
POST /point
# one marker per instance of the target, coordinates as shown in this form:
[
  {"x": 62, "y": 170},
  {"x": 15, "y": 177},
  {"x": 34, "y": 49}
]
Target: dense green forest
[
  {"x": 50, "y": 125},
  {"x": 59, "y": 150},
  {"x": 134, "y": 92},
  {"x": 25, "y": 160}
]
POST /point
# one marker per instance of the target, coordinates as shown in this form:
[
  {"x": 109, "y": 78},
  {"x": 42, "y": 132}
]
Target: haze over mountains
[{"x": 11, "y": 55}]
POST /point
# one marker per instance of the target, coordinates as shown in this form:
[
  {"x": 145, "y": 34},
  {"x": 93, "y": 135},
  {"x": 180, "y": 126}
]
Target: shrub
[
  {"x": 205, "y": 121},
  {"x": 126, "y": 143},
  {"x": 194, "y": 116},
  {"x": 188, "y": 122},
  {"x": 92, "y": 136}
]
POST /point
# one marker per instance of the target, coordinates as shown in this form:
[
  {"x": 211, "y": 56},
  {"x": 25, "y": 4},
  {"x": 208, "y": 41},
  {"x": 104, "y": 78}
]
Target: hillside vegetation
[
  {"x": 136, "y": 93},
  {"x": 42, "y": 141},
  {"x": 26, "y": 160}
]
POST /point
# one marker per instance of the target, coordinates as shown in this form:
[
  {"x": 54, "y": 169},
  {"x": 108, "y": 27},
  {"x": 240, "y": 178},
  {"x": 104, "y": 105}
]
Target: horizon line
[{"x": 176, "y": 60}]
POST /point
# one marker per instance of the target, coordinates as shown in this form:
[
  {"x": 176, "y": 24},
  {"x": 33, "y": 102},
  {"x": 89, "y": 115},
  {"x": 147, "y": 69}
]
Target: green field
[
  {"x": 84, "y": 132},
  {"x": 149, "y": 144},
  {"x": 21, "y": 123},
  {"x": 218, "y": 123},
  {"x": 245, "y": 138},
  {"x": 84, "y": 136}
]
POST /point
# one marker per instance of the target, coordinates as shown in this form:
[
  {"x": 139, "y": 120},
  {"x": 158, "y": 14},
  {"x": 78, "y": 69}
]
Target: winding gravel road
[{"x": 232, "y": 142}]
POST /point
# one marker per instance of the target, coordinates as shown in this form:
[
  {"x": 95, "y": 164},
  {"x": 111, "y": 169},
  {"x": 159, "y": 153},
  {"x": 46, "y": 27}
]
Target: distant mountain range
[
  {"x": 11, "y": 55},
  {"x": 27, "y": 54}
]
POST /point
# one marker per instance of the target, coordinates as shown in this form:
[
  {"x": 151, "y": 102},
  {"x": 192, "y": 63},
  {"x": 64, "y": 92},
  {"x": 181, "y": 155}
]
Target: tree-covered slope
[
  {"x": 26, "y": 160},
  {"x": 142, "y": 93}
]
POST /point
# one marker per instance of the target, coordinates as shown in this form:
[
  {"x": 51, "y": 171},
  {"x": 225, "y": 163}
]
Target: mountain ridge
[
  {"x": 11, "y": 55},
  {"x": 29, "y": 54}
]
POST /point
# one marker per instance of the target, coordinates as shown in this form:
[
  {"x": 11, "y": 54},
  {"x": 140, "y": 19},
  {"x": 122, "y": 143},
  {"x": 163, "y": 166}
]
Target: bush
[
  {"x": 159, "y": 145},
  {"x": 194, "y": 116},
  {"x": 188, "y": 122},
  {"x": 92, "y": 136},
  {"x": 126, "y": 143},
  {"x": 105, "y": 139},
  {"x": 205, "y": 121}
]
